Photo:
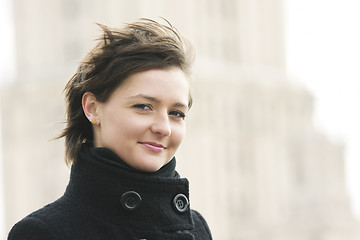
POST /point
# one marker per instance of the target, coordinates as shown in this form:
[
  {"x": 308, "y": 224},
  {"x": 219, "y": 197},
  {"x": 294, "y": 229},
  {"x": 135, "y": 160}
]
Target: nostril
[{"x": 161, "y": 127}]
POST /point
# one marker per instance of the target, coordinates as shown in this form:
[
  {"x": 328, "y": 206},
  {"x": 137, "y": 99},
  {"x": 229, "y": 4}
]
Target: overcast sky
[{"x": 323, "y": 52}]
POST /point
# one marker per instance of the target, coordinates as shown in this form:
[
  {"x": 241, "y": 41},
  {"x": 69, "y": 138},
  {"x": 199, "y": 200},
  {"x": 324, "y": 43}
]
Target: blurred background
[{"x": 272, "y": 148}]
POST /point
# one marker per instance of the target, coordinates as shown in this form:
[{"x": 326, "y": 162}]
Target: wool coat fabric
[{"x": 105, "y": 202}]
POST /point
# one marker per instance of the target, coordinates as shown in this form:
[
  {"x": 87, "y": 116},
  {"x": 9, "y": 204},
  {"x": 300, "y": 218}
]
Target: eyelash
[
  {"x": 178, "y": 114},
  {"x": 142, "y": 107},
  {"x": 146, "y": 107}
]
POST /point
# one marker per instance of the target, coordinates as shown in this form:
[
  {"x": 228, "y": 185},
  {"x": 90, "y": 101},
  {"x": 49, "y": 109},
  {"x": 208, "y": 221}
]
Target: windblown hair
[{"x": 139, "y": 46}]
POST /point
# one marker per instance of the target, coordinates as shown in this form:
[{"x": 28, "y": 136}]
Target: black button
[
  {"x": 130, "y": 200},
  {"x": 181, "y": 203}
]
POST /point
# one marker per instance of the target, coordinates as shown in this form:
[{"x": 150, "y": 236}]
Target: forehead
[{"x": 169, "y": 83}]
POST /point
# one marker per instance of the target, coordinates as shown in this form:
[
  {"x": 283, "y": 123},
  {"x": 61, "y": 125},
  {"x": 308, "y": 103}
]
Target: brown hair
[{"x": 139, "y": 46}]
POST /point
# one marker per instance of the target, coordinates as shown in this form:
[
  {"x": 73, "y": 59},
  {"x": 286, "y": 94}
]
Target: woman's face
[{"x": 143, "y": 121}]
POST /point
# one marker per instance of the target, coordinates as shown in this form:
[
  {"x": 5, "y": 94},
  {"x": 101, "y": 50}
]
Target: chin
[{"x": 148, "y": 167}]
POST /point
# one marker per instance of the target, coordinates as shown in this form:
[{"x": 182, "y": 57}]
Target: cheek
[
  {"x": 178, "y": 134},
  {"x": 112, "y": 127},
  {"x": 125, "y": 126}
]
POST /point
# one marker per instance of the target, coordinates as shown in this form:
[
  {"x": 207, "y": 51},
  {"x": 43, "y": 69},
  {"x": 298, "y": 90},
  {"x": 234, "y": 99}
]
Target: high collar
[
  {"x": 108, "y": 157},
  {"x": 97, "y": 187}
]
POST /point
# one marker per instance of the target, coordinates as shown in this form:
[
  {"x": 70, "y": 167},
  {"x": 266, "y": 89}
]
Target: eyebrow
[{"x": 153, "y": 99}]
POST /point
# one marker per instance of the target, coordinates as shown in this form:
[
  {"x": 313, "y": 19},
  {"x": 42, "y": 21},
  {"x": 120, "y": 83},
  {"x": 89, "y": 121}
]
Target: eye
[
  {"x": 144, "y": 107},
  {"x": 177, "y": 114}
]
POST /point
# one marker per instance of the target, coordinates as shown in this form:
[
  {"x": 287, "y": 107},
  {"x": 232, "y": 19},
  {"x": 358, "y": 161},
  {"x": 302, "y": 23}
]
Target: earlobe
[{"x": 90, "y": 107}]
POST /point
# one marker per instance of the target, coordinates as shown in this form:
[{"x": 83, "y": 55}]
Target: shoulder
[
  {"x": 201, "y": 227},
  {"x": 39, "y": 224},
  {"x": 31, "y": 228}
]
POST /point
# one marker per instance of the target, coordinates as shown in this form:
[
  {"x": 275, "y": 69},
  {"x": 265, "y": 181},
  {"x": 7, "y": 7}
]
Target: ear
[{"x": 91, "y": 107}]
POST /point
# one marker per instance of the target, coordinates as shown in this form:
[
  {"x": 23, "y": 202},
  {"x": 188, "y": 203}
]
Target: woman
[{"x": 126, "y": 110}]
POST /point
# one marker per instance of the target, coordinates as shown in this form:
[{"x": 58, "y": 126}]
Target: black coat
[{"x": 105, "y": 202}]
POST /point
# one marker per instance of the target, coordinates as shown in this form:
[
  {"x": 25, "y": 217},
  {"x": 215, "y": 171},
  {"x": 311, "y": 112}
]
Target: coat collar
[{"x": 148, "y": 203}]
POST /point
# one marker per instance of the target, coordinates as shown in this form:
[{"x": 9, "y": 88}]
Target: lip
[{"x": 153, "y": 146}]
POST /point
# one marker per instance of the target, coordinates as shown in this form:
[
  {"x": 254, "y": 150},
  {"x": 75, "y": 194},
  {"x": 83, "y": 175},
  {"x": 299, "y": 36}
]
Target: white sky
[{"x": 323, "y": 51}]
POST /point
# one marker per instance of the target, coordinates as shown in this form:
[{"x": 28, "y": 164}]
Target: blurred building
[{"x": 258, "y": 169}]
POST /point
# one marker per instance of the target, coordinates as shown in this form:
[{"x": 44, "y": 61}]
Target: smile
[{"x": 152, "y": 146}]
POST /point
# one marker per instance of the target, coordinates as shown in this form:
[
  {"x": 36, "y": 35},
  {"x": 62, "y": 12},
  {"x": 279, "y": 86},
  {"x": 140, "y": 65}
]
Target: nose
[{"x": 161, "y": 125}]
